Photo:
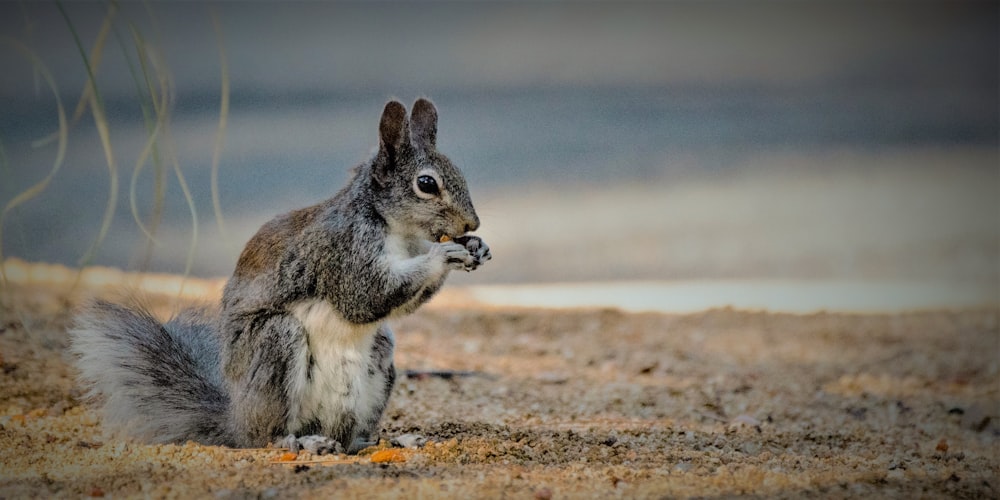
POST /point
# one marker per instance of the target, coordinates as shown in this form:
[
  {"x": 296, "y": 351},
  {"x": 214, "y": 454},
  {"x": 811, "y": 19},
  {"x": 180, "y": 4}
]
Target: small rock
[
  {"x": 648, "y": 367},
  {"x": 857, "y": 413},
  {"x": 409, "y": 440},
  {"x": 552, "y": 378},
  {"x": 942, "y": 446},
  {"x": 743, "y": 422},
  {"x": 683, "y": 466},
  {"x": 57, "y": 409},
  {"x": 746, "y": 419},
  {"x": 543, "y": 494},
  {"x": 976, "y": 418}
]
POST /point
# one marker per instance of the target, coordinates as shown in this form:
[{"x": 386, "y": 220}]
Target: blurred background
[{"x": 803, "y": 141}]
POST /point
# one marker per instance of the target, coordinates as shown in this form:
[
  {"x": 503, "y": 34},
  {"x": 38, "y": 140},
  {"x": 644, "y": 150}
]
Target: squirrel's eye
[{"x": 427, "y": 184}]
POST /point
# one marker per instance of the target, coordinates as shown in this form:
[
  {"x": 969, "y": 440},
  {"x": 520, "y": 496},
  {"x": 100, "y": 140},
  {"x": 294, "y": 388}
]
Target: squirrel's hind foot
[
  {"x": 322, "y": 445},
  {"x": 317, "y": 445}
]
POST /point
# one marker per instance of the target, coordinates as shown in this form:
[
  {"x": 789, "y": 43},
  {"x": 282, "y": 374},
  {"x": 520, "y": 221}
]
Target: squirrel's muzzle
[{"x": 472, "y": 226}]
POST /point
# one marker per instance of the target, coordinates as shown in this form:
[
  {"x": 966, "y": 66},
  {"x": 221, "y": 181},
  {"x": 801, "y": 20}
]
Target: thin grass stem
[
  {"x": 159, "y": 172},
  {"x": 189, "y": 261},
  {"x": 62, "y": 135},
  {"x": 140, "y": 161},
  {"x": 93, "y": 64},
  {"x": 151, "y": 146},
  {"x": 101, "y": 122},
  {"x": 220, "y": 134}
]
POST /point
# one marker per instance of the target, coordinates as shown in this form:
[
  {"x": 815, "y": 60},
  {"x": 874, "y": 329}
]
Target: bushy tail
[{"x": 158, "y": 383}]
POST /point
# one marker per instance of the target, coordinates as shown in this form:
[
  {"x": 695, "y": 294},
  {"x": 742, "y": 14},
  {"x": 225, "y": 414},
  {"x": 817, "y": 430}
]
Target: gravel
[{"x": 569, "y": 404}]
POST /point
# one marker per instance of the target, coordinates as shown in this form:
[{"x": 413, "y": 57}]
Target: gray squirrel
[{"x": 299, "y": 353}]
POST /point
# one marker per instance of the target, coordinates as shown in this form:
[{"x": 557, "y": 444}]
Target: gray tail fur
[{"x": 158, "y": 383}]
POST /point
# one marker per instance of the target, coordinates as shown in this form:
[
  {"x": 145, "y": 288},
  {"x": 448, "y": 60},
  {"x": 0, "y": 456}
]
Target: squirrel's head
[{"x": 418, "y": 189}]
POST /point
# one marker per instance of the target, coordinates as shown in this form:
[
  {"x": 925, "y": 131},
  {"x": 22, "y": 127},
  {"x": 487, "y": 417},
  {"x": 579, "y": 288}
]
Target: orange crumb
[
  {"x": 288, "y": 457},
  {"x": 386, "y": 456},
  {"x": 942, "y": 445}
]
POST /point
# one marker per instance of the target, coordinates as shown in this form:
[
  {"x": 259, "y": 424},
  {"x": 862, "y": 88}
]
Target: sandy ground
[{"x": 570, "y": 404}]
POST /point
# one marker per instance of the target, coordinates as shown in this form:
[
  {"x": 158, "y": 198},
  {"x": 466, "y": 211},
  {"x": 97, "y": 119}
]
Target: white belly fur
[{"x": 340, "y": 381}]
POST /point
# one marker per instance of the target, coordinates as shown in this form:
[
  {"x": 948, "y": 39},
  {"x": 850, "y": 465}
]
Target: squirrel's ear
[
  {"x": 392, "y": 134},
  {"x": 392, "y": 129},
  {"x": 425, "y": 124}
]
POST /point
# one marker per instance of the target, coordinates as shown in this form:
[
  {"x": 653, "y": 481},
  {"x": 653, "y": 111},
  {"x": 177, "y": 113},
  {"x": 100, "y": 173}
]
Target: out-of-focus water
[
  {"x": 515, "y": 147},
  {"x": 729, "y": 158}
]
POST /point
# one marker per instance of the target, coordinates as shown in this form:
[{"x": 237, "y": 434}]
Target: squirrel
[{"x": 298, "y": 354}]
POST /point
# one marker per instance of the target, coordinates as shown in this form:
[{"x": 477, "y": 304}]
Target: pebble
[
  {"x": 552, "y": 378},
  {"x": 976, "y": 417},
  {"x": 409, "y": 440},
  {"x": 543, "y": 494},
  {"x": 744, "y": 422},
  {"x": 942, "y": 445}
]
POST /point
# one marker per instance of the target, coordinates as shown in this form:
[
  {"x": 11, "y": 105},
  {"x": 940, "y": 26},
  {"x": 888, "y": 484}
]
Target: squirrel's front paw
[
  {"x": 477, "y": 248},
  {"x": 317, "y": 445},
  {"x": 455, "y": 255}
]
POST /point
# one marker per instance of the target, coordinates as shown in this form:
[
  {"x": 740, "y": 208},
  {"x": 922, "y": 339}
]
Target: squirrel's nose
[{"x": 474, "y": 225}]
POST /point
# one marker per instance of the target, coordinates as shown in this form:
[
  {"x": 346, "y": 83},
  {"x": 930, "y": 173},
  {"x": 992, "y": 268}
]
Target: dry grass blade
[
  {"x": 147, "y": 95},
  {"x": 101, "y": 122},
  {"x": 220, "y": 134},
  {"x": 93, "y": 64},
  {"x": 162, "y": 111},
  {"x": 152, "y": 109},
  {"x": 140, "y": 161},
  {"x": 62, "y": 134},
  {"x": 189, "y": 261},
  {"x": 155, "y": 93}
]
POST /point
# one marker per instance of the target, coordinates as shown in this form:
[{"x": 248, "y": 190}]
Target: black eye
[{"x": 427, "y": 184}]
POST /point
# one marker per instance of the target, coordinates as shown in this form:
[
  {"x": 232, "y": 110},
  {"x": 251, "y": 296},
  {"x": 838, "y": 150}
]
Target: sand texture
[{"x": 569, "y": 404}]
